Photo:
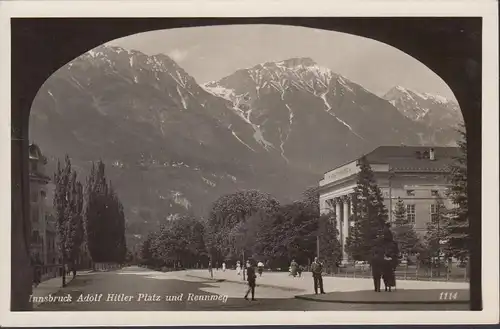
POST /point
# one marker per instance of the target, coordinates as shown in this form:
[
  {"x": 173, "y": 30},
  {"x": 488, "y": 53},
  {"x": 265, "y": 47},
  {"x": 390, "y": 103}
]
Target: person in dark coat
[
  {"x": 377, "y": 264},
  {"x": 388, "y": 273},
  {"x": 251, "y": 277},
  {"x": 317, "y": 272}
]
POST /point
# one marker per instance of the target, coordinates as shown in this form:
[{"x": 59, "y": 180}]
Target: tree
[
  {"x": 178, "y": 243},
  {"x": 330, "y": 248},
  {"x": 227, "y": 212},
  {"x": 369, "y": 214},
  {"x": 436, "y": 236},
  {"x": 104, "y": 218},
  {"x": 74, "y": 228},
  {"x": 458, "y": 225},
  {"x": 61, "y": 207},
  {"x": 68, "y": 205},
  {"x": 404, "y": 233},
  {"x": 292, "y": 233}
]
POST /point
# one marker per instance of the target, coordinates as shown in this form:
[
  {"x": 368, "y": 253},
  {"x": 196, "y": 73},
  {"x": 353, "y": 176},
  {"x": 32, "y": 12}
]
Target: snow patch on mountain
[
  {"x": 282, "y": 145},
  {"x": 208, "y": 182},
  {"x": 178, "y": 198},
  {"x": 183, "y": 101},
  {"x": 218, "y": 90},
  {"x": 239, "y": 139}
]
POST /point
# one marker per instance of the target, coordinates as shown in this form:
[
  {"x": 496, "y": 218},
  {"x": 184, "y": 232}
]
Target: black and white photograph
[{"x": 240, "y": 165}]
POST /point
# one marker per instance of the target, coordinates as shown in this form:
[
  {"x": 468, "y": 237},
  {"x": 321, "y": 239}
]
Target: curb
[
  {"x": 244, "y": 283},
  {"x": 340, "y": 301}
]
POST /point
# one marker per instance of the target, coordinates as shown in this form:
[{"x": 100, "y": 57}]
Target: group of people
[
  {"x": 295, "y": 269},
  {"x": 383, "y": 266},
  {"x": 316, "y": 269},
  {"x": 383, "y": 269}
]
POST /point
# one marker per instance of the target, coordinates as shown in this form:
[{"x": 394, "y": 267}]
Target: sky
[{"x": 211, "y": 53}]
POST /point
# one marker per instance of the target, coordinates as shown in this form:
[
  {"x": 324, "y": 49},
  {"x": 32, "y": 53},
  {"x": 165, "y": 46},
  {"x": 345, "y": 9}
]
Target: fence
[
  {"x": 103, "y": 267},
  {"x": 445, "y": 272}
]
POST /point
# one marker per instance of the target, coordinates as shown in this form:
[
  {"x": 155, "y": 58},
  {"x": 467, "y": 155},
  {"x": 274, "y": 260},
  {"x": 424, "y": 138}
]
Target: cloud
[{"x": 178, "y": 55}]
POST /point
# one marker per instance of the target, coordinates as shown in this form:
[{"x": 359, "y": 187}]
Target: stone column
[
  {"x": 338, "y": 217},
  {"x": 345, "y": 225},
  {"x": 351, "y": 196}
]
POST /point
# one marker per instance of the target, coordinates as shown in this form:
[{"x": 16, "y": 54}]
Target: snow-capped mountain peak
[
  {"x": 434, "y": 110},
  {"x": 294, "y": 73}
]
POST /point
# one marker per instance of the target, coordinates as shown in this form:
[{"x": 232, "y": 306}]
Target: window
[
  {"x": 433, "y": 212},
  {"x": 410, "y": 213},
  {"x": 43, "y": 194},
  {"x": 410, "y": 192}
]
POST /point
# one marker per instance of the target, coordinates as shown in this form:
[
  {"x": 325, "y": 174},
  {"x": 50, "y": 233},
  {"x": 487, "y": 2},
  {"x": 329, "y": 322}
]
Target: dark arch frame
[{"x": 450, "y": 46}]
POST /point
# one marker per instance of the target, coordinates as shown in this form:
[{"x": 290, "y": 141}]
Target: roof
[
  {"x": 401, "y": 158},
  {"x": 36, "y": 154}
]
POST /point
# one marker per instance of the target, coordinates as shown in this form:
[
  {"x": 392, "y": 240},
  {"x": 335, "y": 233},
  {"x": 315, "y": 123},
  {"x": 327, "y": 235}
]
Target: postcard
[{"x": 235, "y": 163}]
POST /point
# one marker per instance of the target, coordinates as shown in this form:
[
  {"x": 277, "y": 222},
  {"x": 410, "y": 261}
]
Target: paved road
[{"x": 138, "y": 289}]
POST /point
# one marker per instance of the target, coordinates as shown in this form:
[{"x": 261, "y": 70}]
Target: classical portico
[{"x": 341, "y": 207}]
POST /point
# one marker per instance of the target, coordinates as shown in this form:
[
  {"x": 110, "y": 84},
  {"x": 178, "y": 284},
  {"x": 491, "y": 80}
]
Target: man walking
[
  {"x": 251, "y": 280},
  {"x": 377, "y": 268},
  {"x": 210, "y": 270},
  {"x": 317, "y": 272}
]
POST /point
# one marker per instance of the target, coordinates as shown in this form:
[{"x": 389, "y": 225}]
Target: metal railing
[{"x": 449, "y": 272}]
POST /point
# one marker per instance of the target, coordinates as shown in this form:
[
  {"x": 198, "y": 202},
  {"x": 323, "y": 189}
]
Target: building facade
[
  {"x": 417, "y": 175},
  {"x": 43, "y": 242}
]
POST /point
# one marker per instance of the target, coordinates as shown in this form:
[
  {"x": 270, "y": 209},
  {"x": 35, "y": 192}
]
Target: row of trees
[
  {"x": 242, "y": 225},
  {"x": 91, "y": 219}
]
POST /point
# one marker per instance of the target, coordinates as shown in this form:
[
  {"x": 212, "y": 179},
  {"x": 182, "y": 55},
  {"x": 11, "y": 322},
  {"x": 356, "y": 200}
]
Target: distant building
[
  {"x": 43, "y": 226},
  {"x": 417, "y": 175}
]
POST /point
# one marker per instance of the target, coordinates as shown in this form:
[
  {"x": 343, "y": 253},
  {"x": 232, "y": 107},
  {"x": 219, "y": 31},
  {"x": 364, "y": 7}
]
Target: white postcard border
[{"x": 278, "y": 8}]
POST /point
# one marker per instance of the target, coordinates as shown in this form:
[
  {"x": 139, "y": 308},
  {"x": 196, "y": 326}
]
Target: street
[{"x": 139, "y": 289}]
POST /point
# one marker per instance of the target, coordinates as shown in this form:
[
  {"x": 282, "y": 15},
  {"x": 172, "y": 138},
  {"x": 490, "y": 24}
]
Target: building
[
  {"x": 417, "y": 175},
  {"x": 43, "y": 227}
]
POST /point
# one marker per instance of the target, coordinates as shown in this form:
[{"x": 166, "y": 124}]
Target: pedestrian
[
  {"x": 293, "y": 268},
  {"x": 260, "y": 268},
  {"x": 238, "y": 267},
  {"x": 73, "y": 269},
  {"x": 388, "y": 275},
  {"x": 377, "y": 268},
  {"x": 251, "y": 277},
  {"x": 210, "y": 270},
  {"x": 223, "y": 267},
  {"x": 299, "y": 270},
  {"x": 317, "y": 272}
]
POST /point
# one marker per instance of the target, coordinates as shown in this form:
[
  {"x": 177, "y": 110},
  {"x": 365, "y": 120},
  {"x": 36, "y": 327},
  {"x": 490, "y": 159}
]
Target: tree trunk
[
  {"x": 21, "y": 272},
  {"x": 63, "y": 271}
]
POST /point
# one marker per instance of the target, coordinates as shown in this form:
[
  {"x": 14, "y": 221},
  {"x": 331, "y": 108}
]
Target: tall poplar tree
[
  {"x": 61, "y": 181},
  {"x": 74, "y": 224},
  {"x": 104, "y": 218},
  {"x": 68, "y": 205}
]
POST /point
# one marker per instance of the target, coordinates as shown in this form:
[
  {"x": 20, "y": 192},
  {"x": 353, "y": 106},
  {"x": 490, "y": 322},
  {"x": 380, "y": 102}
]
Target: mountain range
[{"x": 173, "y": 146}]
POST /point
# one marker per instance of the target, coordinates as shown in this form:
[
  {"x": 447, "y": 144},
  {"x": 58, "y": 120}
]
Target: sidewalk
[
  {"x": 51, "y": 286},
  {"x": 428, "y": 296},
  {"x": 359, "y": 289}
]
